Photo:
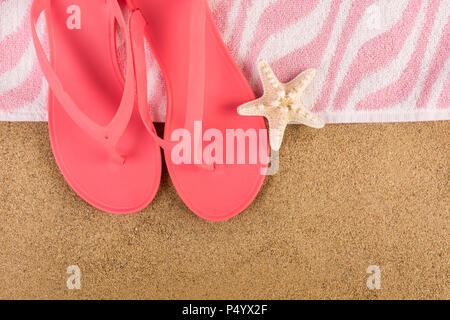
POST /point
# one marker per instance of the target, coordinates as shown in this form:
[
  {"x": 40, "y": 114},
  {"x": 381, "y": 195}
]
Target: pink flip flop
[
  {"x": 100, "y": 143},
  {"x": 205, "y": 87}
]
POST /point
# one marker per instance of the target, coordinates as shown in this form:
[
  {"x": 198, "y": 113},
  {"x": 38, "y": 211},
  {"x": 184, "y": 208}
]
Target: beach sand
[{"x": 346, "y": 197}]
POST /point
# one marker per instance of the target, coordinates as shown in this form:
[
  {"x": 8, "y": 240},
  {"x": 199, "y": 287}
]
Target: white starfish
[{"x": 281, "y": 103}]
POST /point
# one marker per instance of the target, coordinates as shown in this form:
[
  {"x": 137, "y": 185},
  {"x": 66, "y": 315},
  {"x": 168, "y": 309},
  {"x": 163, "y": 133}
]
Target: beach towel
[{"x": 377, "y": 60}]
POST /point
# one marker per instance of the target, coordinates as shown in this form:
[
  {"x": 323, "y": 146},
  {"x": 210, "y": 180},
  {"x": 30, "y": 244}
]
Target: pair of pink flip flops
[{"x": 100, "y": 127}]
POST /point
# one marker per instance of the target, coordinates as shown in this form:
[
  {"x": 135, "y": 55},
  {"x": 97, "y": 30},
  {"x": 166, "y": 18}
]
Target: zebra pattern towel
[{"x": 377, "y": 60}]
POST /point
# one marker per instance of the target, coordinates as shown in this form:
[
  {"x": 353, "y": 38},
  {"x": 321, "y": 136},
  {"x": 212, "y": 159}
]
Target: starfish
[{"x": 281, "y": 103}]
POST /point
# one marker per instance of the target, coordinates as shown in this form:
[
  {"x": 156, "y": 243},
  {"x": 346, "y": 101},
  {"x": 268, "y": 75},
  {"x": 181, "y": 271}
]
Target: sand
[{"x": 346, "y": 197}]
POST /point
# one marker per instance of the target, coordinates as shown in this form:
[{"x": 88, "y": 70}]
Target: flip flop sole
[
  {"x": 84, "y": 59},
  {"x": 229, "y": 189}
]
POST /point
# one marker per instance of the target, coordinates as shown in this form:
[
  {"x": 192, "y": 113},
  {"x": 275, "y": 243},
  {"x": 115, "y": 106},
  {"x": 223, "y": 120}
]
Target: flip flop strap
[
  {"x": 196, "y": 77},
  {"x": 195, "y": 102},
  {"x": 137, "y": 34},
  {"x": 111, "y": 133}
]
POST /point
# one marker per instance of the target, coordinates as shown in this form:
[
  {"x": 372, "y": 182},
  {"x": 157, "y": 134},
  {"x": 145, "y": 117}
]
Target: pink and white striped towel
[{"x": 377, "y": 60}]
